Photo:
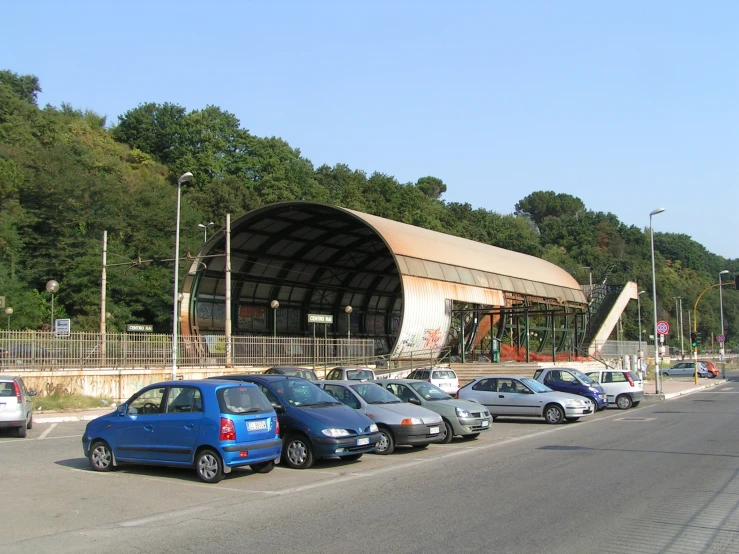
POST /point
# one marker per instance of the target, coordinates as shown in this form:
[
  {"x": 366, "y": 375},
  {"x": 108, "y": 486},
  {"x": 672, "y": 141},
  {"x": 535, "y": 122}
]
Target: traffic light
[
  {"x": 693, "y": 340},
  {"x": 736, "y": 281}
]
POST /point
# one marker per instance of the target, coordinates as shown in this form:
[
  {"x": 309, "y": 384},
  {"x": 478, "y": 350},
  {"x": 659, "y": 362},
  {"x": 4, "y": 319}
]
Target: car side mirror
[
  {"x": 415, "y": 401},
  {"x": 279, "y": 408},
  {"x": 526, "y": 391},
  {"x": 121, "y": 409},
  {"x": 31, "y": 393}
]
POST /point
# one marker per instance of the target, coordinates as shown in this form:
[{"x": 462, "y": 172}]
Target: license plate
[
  {"x": 485, "y": 423},
  {"x": 363, "y": 441},
  {"x": 260, "y": 425},
  {"x": 433, "y": 430},
  {"x": 446, "y": 385}
]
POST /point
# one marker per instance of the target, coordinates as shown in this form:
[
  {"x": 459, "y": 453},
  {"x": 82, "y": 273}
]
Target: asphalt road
[{"x": 655, "y": 479}]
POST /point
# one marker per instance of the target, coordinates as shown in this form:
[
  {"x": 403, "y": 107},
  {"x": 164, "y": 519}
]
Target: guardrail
[{"x": 33, "y": 351}]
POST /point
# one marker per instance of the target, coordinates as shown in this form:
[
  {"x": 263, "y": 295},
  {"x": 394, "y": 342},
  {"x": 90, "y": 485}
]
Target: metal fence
[{"x": 30, "y": 350}]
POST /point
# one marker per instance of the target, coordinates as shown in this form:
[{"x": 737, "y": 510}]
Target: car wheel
[
  {"x": 420, "y": 446},
  {"x": 554, "y": 414},
  {"x": 209, "y": 466},
  {"x": 573, "y": 419},
  {"x": 665, "y": 374},
  {"x": 595, "y": 405},
  {"x": 351, "y": 457},
  {"x": 386, "y": 444},
  {"x": 30, "y": 422},
  {"x": 635, "y": 404},
  {"x": 263, "y": 467},
  {"x": 297, "y": 452},
  {"x": 21, "y": 431},
  {"x": 470, "y": 436},
  {"x": 100, "y": 456},
  {"x": 448, "y": 433},
  {"x": 624, "y": 402}
]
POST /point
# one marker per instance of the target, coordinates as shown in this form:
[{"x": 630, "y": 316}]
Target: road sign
[
  {"x": 721, "y": 338},
  {"x": 663, "y": 328},
  {"x": 320, "y": 318},
  {"x": 62, "y": 327},
  {"x": 139, "y": 328}
]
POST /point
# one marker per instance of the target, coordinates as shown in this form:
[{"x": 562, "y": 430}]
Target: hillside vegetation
[{"x": 66, "y": 176}]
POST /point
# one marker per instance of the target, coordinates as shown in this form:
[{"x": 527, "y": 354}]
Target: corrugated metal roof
[{"x": 424, "y": 244}]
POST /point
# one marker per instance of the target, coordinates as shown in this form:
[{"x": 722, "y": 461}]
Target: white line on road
[
  {"x": 160, "y": 517},
  {"x": 49, "y": 430}
]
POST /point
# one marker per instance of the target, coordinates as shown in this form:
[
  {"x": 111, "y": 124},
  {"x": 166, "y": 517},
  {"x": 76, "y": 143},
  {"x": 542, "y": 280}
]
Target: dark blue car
[
  {"x": 314, "y": 424},
  {"x": 211, "y": 425},
  {"x": 573, "y": 381}
]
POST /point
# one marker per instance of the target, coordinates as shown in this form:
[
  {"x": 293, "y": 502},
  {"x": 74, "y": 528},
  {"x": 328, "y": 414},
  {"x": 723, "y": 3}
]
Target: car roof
[
  {"x": 348, "y": 382},
  {"x": 210, "y": 382},
  {"x": 502, "y": 377},
  {"x": 258, "y": 377}
]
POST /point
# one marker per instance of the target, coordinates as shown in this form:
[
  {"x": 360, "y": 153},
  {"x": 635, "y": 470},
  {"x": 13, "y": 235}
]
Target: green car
[{"x": 461, "y": 418}]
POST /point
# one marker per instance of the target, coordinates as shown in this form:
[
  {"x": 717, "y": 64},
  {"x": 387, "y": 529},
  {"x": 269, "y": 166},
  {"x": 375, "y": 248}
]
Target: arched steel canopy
[{"x": 399, "y": 279}]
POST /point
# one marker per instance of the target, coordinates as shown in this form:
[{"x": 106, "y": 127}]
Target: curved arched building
[{"x": 402, "y": 282}]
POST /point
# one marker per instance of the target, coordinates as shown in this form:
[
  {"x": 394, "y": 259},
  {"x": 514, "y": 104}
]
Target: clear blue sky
[{"x": 628, "y": 105}]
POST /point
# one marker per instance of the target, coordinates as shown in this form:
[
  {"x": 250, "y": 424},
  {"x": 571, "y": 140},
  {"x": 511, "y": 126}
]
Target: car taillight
[
  {"x": 429, "y": 380},
  {"x": 228, "y": 432},
  {"x": 18, "y": 396},
  {"x": 277, "y": 426},
  {"x": 631, "y": 379}
]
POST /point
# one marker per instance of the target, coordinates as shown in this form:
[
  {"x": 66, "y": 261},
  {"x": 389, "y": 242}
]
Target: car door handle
[
  {"x": 501, "y": 396},
  {"x": 189, "y": 426},
  {"x": 148, "y": 428}
]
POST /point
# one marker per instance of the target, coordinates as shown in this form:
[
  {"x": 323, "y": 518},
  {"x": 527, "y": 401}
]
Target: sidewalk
[
  {"x": 675, "y": 386},
  {"x": 64, "y": 416}
]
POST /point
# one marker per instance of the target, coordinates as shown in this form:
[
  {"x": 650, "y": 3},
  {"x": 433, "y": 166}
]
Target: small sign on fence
[
  {"x": 139, "y": 328},
  {"x": 62, "y": 327},
  {"x": 320, "y": 318}
]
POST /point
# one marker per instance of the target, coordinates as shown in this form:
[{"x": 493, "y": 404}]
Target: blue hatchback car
[
  {"x": 210, "y": 425},
  {"x": 574, "y": 381},
  {"x": 314, "y": 424}
]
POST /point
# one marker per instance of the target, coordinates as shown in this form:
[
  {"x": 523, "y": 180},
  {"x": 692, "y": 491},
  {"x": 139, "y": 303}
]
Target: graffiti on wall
[{"x": 432, "y": 339}]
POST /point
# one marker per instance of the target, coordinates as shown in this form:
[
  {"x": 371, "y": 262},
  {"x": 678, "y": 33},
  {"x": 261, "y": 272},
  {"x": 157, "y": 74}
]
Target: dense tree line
[{"x": 65, "y": 176}]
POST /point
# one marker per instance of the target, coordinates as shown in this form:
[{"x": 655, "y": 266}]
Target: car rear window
[
  {"x": 242, "y": 400},
  {"x": 359, "y": 374},
  {"x": 444, "y": 374},
  {"x": 7, "y": 389}
]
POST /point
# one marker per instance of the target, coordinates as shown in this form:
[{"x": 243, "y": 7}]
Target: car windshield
[
  {"x": 429, "y": 391},
  {"x": 359, "y": 375},
  {"x": 300, "y": 392},
  {"x": 375, "y": 394},
  {"x": 580, "y": 376},
  {"x": 535, "y": 385}
]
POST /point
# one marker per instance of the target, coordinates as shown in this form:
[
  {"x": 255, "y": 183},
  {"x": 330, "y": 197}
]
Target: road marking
[
  {"x": 635, "y": 419},
  {"x": 160, "y": 517},
  {"x": 38, "y": 438},
  {"x": 49, "y": 430}
]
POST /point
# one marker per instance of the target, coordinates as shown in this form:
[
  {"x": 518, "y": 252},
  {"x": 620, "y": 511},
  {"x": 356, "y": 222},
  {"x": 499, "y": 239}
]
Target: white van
[
  {"x": 623, "y": 388},
  {"x": 444, "y": 378}
]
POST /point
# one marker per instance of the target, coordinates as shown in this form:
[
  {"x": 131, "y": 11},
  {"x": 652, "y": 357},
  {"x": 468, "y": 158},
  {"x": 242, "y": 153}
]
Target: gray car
[
  {"x": 510, "y": 395},
  {"x": 461, "y": 418},
  {"x": 16, "y": 406},
  {"x": 400, "y": 423},
  {"x": 686, "y": 369}
]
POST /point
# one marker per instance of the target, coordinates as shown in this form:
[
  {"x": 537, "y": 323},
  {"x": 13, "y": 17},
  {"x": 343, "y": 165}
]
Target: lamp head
[
  {"x": 52, "y": 286},
  {"x": 724, "y": 272},
  {"x": 184, "y": 177},
  {"x": 657, "y": 211},
  {"x": 274, "y": 304},
  {"x": 348, "y": 309},
  {"x": 641, "y": 292}
]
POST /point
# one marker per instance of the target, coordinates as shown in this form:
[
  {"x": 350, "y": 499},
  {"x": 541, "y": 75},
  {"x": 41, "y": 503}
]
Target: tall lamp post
[
  {"x": 274, "y": 305},
  {"x": 205, "y": 230},
  {"x": 8, "y": 312},
  {"x": 680, "y": 323},
  {"x": 175, "y": 317},
  {"x": 348, "y": 311},
  {"x": 52, "y": 287},
  {"x": 654, "y": 295},
  {"x": 721, "y": 296}
]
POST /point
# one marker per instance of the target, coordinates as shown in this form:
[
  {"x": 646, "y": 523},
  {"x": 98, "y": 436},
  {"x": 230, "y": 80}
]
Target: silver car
[
  {"x": 507, "y": 395},
  {"x": 400, "y": 423},
  {"x": 686, "y": 369},
  {"x": 16, "y": 406}
]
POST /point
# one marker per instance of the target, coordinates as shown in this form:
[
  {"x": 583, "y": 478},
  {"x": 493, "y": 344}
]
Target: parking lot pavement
[{"x": 672, "y": 387}]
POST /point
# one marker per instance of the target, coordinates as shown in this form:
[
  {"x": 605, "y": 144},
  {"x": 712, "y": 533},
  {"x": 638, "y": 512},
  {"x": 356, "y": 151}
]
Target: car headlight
[
  {"x": 462, "y": 413},
  {"x": 412, "y": 421},
  {"x": 574, "y": 403},
  {"x": 373, "y": 428},
  {"x": 335, "y": 432}
]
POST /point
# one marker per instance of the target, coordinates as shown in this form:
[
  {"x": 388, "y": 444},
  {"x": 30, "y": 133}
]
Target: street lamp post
[
  {"x": 8, "y": 312},
  {"x": 654, "y": 295},
  {"x": 638, "y": 306},
  {"x": 52, "y": 287},
  {"x": 175, "y": 317},
  {"x": 205, "y": 230},
  {"x": 721, "y": 348},
  {"x": 348, "y": 311},
  {"x": 274, "y": 305}
]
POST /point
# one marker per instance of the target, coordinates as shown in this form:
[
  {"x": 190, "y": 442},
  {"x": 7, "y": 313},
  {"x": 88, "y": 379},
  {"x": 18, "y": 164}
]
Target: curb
[
  {"x": 669, "y": 395},
  {"x": 65, "y": 419}
]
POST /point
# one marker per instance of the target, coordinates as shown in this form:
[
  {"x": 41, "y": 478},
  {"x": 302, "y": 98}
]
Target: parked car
[
  {"x": 350, "y": 374},
  {"x": 210, "y": 425},
  {"x": 400, "y": 423},
  {"x": 16, "y": 406},
  {"x": 290, "y": 371},
  {"x": 710, "y": 367},
  {"x": 573, "y": 381},
  {"x": 443, "y": 378},
  {"x": 462, "y": 418},
  {"x": 686, "y": 369},
  {"x": 623, "y": 388},
  {"x": 508, "y": 395},
  {"x": 314, "y": 424}
]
